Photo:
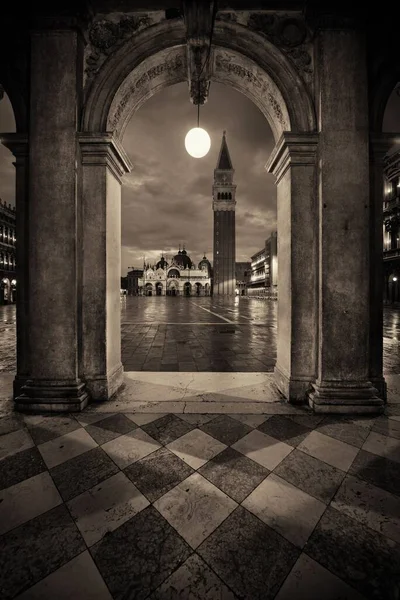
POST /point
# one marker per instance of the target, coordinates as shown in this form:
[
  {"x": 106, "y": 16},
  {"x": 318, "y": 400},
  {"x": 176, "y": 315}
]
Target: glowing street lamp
[{"x": 197, "y": 142}]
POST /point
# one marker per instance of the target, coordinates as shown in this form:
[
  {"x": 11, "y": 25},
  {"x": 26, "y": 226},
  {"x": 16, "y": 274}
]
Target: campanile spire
[{"x": 224, "y": 203}]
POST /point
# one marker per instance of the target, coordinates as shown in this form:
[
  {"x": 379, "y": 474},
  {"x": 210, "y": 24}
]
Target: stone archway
[
  {"x": 156, "y": 59},
  {"x": 82, "y": 354}
]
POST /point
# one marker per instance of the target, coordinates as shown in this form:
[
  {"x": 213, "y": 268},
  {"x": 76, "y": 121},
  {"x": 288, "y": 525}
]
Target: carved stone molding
[
  {"x": 104, "y": 149},
  {"x": 168, "y": 67},
  {"x": 290, "y": 34},
  {"x": 106, "y": 35},
  {"x": 230, "y": 67},
  {"x": 292, "y": 149}
]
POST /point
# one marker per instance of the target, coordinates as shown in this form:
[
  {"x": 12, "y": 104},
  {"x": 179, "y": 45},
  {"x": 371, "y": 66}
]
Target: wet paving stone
[{"x": 160, "y": 334}]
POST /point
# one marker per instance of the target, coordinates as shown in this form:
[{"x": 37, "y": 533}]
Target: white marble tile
[
  {"x": 195, "y": 508},
  {"x": 251, "y": 420},
  {"x": 144, "y": 418},
  {"x": 196, "y": 448},
  {"x": 106, "y": 506},
  {"x": 263, "y": 449},
  {"x": 308, "y": 580},
  {"x": 285, "y": 508},
  {"x": 371, "y": 505},
  {"x": 14, "y": 442},
  {"x": 127, "y": 449},
  {"x": 66, "y": 447},
  {"x": 77, "y": 579},
  {"x": 334, "y": 452},
  {"x": 26, "y": 500},
  {"x": 382, "y": 445}
]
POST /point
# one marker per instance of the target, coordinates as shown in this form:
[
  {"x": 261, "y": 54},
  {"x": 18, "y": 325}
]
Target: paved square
[{"x": 257, "y": 516}]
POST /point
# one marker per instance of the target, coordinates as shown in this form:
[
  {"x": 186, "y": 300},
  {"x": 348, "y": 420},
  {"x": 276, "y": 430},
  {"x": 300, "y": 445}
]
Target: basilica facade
[{"x": 181, "y": 277}]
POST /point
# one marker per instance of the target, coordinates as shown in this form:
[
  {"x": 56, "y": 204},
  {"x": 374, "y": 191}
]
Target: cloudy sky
[{"x": 166, "y": 199}]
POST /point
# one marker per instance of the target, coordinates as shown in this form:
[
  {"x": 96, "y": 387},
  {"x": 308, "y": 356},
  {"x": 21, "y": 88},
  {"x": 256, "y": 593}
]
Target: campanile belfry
[{"x": 224, "y": 192}]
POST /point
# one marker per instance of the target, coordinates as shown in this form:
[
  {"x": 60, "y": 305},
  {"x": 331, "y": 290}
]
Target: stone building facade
[
  {"x": 264, "y": 270},
  {"x": 391, "y": 227},
  {"x": 320, "y": 72},
  {"x": 8, "y": 281},
  {"x": 242, "y": 275},
  {"x": 180, "y": 277}
]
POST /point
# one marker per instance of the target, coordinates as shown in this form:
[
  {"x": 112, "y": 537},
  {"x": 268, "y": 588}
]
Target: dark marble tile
[
  {"x": 234, "y": 474},
  {"x": 365, "y": 559},
  {"x": 194, "y": 580},
  {"x": 310, "y": 475},
  {"x": 308, "y": 420},
  {"x": 79, "y": 474},
  {"x": 344, "y": 430},
  {"x": 249, "y": 557},
  {"x": 167, "y": 429},
  {"x": 156, "y": 474},
  {"x": 110, "y": 428},
  {"x": 382, "y": 472},
  {"x": 51, "y": 427},
  {"x": 225, "y": 429},
  {"x": 285, "y": 430},
  {"x": 21, "y": 466},
  {"x": 36, "y": 549},
  {"x": 138, "y": 556}
]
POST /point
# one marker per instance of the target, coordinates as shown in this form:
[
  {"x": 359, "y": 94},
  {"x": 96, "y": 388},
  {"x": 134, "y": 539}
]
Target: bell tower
[{"x": 224, "y": 202}]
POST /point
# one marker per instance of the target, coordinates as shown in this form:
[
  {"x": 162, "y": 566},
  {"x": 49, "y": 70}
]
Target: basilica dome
[
  {"x": 162, "y": 264},
  {"x": 183, "y": 259},
  {"x": 205, "y": 263}
]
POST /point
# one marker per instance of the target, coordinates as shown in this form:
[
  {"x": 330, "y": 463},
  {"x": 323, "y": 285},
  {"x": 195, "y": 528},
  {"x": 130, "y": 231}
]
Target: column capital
[
  {"x": 17, "y": 143},
  {"x": 380, "y": 144},
  {"x": 104, "y": 149},
  {"x": 292, "y": 149}
]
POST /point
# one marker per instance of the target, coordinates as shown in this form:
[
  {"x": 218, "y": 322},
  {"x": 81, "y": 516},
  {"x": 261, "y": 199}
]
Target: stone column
[
  {"x": 18, "y": 144},
  {"x": 343, "y": 383},
  {"x": 379, "y": 145},
  {"x": 103, "y": 164},
  {"x": 53, "y": 249},
  {"x": 293, "y": 162}
]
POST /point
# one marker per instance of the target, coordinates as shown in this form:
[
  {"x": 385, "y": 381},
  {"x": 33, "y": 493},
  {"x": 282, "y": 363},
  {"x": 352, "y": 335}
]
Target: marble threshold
[{"x": 198, "y": 393}]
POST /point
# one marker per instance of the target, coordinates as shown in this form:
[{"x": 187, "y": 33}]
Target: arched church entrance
[
  {"x": 159, "y": 288},
  {"x": 323, "y": 334},
  {"x": 187, "y": 289}
]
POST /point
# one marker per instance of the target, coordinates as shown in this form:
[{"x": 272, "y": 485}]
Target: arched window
[
  {"x": 230, "y": 196},
  {"x": 219, "y": 196}
]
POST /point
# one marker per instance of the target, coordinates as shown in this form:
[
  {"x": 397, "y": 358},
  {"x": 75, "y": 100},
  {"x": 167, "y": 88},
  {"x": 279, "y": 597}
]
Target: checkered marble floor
[{"x": 203, "y": 507}]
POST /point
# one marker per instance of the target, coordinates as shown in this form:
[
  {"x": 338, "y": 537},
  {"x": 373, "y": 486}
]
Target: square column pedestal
[
  {"x": 294, "y": 163},
  {"x": 103, "y": 164}
]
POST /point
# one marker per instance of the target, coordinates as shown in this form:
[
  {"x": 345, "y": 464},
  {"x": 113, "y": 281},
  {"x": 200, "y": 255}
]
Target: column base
[
  {"x": 379, "y": 384},
  {"x": 18, "y": 384},
  {"x": 293, "y": 388},
  {"x": 345, "y": 397},
  {"x": 39, "y": 396},
  {"x": 103, "y": 388}
]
